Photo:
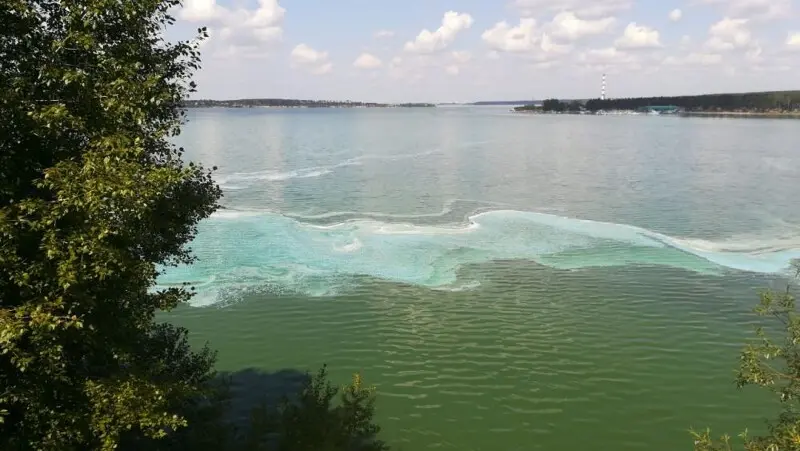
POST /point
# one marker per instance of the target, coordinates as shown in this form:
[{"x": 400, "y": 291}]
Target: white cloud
[
  {"x": 583, "y": 8},
  {"x": 718, "y": 45},
  {"x": 548, "y": 46},
  {"x": 200, "y": 10},
  {"x": 383, "y": 34},
  {"x": 522, "y": 38},
  {"x": 412, "y": 67},
  {"x": 461, "y": 56},
  {"x": 675, "y": 15},
  {"x": 269, "y": 13},
  {"x": 729, "y": 34},
  {"x": 367, "y": 61},
  {"x": 638, "y": 37},
  {"x": 694, "y": 59},
  {"x": 753, "y": 55},
  {"x": 606, "y": 57},
  {"x": 237, "y": 32},
  {"x": 305, "y": 55},
  {"x": 545, "y": 64},
  {"x": 313, "y": 61},
  {"x": 755, "y": 9},
  {"x": 458, "y": 59},
  {"x": 432, "y": 41},
  {"x": 793, "y": 40},
  {"x": 704, "y": 58},
  {"x": 566, "y": 25},
  {"x": 396, "y": 62},
  {"x": 416, "y": 67},
  {"x": 772, "y": 68},
  {"x": 323, "y": 69}
]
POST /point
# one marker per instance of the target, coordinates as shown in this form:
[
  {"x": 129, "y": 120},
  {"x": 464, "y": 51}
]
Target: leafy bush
[{"x": 773, "y": 363}]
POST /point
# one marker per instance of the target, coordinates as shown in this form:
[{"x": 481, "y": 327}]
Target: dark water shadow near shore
[{"x": 253, "y": 388}]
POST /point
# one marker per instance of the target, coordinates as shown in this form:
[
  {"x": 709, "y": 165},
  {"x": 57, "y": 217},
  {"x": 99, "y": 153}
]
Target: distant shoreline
[
  {"x": 772, "y": 104},
  {"x": 307, "y": 106},
  {"x": 710, "y": 114},
  {"x": 775, "y": 114},
  {"x": 295, "y": 103}
]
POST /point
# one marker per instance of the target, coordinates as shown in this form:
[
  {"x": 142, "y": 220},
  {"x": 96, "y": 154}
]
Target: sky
[{"x": 471, "y": 50}]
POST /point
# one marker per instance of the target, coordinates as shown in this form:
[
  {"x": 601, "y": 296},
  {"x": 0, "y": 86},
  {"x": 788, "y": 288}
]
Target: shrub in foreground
[
  {"x": 320, "y": 417},
  {"x": 772, "y": 361}
]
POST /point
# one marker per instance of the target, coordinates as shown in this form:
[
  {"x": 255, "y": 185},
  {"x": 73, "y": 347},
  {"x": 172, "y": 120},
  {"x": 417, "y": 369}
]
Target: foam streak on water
[
  {"x": 242, "y": 180},
  {"x": 255, "y": 250}
]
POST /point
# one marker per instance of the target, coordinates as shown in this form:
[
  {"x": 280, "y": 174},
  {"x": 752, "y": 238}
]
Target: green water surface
[{"x": 507, "y": 282}]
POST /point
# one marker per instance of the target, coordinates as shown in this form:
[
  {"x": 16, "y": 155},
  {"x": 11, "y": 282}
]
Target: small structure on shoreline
[{"x": 659, "y": 109}]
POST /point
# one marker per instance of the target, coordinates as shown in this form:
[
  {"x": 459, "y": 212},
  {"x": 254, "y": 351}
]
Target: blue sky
[{"x": 466, "y": 50}]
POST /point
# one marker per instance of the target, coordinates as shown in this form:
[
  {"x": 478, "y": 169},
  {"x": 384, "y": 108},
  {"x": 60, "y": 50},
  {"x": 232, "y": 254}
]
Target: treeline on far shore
[
  {"x": 295, "y": 103},
  {"x": 753, "y": 102}
]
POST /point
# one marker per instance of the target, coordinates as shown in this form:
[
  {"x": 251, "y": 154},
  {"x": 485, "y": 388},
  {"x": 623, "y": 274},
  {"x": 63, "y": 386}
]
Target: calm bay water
[{"x": 506, "y": 281}]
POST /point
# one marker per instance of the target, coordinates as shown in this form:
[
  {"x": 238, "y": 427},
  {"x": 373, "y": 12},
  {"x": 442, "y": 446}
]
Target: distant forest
[
  {"x": 294, "y": 103},
  {"x": 775, "y": 101}
]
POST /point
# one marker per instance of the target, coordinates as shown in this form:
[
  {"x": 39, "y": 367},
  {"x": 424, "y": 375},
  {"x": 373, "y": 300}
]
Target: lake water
[{"x": 507, "y": 281}]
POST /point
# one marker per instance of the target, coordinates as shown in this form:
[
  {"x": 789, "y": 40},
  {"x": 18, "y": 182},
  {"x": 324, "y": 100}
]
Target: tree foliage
[
  {"x": 554, "y": 106},
  {"x": 772, "y": 361},
  {"x": 93, "y": 198}
]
